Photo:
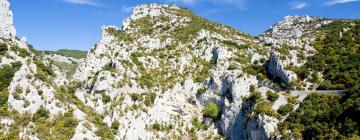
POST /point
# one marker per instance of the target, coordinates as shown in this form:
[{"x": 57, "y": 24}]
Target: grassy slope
[{"x": 69, "y": 53}]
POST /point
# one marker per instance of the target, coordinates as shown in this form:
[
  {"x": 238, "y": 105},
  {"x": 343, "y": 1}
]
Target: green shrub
[
  {"x": 201, "y": 91},
  {"x": 271, "y": 96},
  {"x": 212, "y": 110},
  {"x": 135, "y": 97},
  {"x": 150, "y": 99},
  {"x": 135, "y": 59},
  {"x": 110, "y": 68},
  {"x": 42, "y": 71},
  {"x": 104, "y": 132},
  {"x": 4, "y": 95},
  {"x": 204, "y": 68},
  {"x": 337, "y": 57},
  {"x": 255, "y": 69},
  {"x": 41, "y": 113},
  {"x": 115, "y": 125},
  {"x": 23, "y": 53},
  {"x": 252, "y": 89},
  {"x": 302, "y": 72},
  {"x": 146, "y": 80},
  {"x": 232, "y": 67},
  {"x": 7, "y": 72},
  {"x": 319, "y": 116},
  {"x": 233, "y": 44},
  {"x": 268, "y": 44},
  {"x": 156, "y": 126},
  {"x": 254, "y": 97},
  {"x": 105, "y": 98},
  {"x": 197, "y": 124},
  {"x": 62, "y": 126},
  {"x": 161, "y": 127},
  {"x": 284, "y": 50},
  {"x": 261, "y": 76},
  {"x": 285, "y": 109},
  {"x": 3, "y": 48},
  {"x": 264, "y": 107}
]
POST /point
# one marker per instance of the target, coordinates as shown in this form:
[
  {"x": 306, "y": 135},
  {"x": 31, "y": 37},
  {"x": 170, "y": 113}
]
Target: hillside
[
  {"x": 170, "y": 74},
  {"x": 69, "y": 53}
]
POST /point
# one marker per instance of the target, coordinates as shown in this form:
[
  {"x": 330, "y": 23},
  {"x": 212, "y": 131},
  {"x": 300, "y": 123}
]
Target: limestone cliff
[
  {"x": 7, "y": 29},
  {"x": 154, "y": 78}
]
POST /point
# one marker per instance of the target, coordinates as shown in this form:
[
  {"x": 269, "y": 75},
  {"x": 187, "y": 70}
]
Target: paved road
[{"x": 304, "y": 92}]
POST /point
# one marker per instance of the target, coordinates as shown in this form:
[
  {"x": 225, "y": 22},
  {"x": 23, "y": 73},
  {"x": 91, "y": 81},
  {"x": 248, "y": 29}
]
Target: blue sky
[{"x": 76, "y": 24}]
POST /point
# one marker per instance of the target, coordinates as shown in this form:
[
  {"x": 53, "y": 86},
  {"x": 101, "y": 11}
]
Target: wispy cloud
[
  {"x": 215, "y": 11},
  {"x": 84, "y": 2},
  {"x": 333, "y": 2},
  {"x": 127, "y": 9},
  {"x": 299, "y": 5},
  {"x": 241, "y": 4},
  {"x": 238, "y": 3},
  {"x": 186, "y": 2}
]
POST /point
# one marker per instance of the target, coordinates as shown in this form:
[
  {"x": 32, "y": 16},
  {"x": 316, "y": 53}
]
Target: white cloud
[
  {"x": 127, "y": 9},
  {"x": 298, "y": 5},
  {"x": 333, "y": 2},
  {"x": 237, "y": 3},
  {"x": 187, "y": 2},
  {"x": 85, "y": 2}
]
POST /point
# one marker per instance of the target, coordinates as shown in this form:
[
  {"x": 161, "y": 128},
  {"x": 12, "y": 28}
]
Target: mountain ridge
[{"x": 166, "y": 74}]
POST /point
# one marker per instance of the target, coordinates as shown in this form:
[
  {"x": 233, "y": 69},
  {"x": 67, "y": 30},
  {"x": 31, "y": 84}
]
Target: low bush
[
  {"x": 212, "y": 110},
  {"x": 285, "y": 109},
  {"x": 197, "y": 124},
  {"x": 200, "y": 91},
  {"x": 3, "y": 48},
  {"x": 105, "y": 98},
  {"x": 43, "y": 71},
  {"x": 115, "y": 125},
  {"x": 271, "y": 96},
  {"x": 41, "y": 113},
  {"x": 150, "y": 99},
  {"x": 135, "y": 97},
  {"x": 7, "y": 72},
  {"x": 233, "y": 44}
]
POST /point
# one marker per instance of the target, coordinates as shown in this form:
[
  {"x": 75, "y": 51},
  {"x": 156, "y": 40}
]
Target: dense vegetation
[
  {"x": 7, "y": 72},
  {"x": 324, "y": 117},
  {"x": 3, "y": 48},
  {"x": 212, "y": 110},
  {"x": 69, "y": 53},
  {"x": 43, "y": 71},
  {"x": 338, "y": 57}
]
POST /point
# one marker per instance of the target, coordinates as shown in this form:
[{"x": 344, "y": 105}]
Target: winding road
[{"x": 306, "y": 92}]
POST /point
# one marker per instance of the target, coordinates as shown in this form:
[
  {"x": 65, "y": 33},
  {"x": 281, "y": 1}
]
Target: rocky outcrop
[
  {"x": 151, "y": 10},
  {"x": 277, "y": 70},
  {"x": 291, "y": 30},
  {"x": 262, "y": 127},
  {"x": 7, "y": 29},
  {"x": 153, "y": 78}
]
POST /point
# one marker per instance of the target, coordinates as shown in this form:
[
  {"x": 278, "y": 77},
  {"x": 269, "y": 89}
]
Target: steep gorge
[{"x": 159, "y": 77}]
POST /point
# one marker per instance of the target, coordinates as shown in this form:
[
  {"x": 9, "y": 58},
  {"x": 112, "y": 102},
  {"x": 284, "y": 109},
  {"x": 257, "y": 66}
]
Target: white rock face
[
  {"x": 233, "y": 120},
  {"x": 277, "y": 70},
  {"x": 261, "y": 128},
  {"x": 147, "y": 10},
  {"x": 291, "y": 29},
  {"x": 7, "y": 29},
  {"x": 85, "y": 130},
  {"x": 111, "y": 79}
]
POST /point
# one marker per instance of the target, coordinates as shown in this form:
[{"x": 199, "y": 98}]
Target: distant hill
[{"x": 69, "y": 53}]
